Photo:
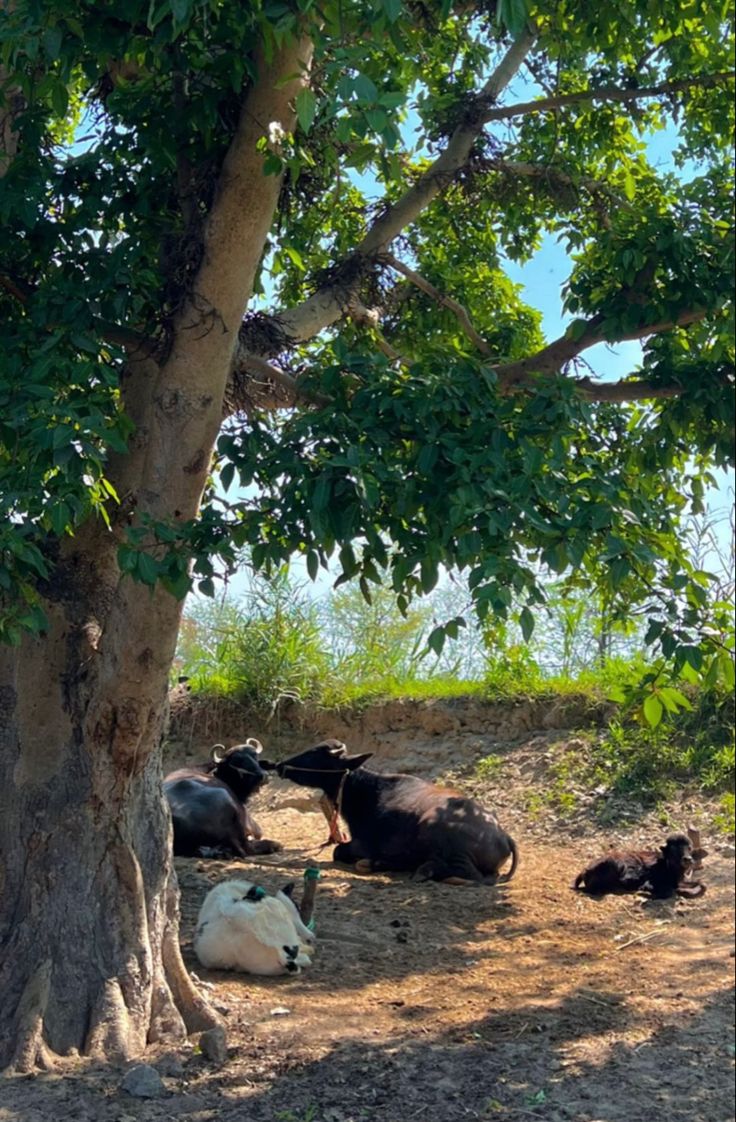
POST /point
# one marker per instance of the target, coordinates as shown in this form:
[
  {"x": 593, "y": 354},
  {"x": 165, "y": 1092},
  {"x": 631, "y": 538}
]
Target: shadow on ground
[{"x": 562, "y": 1063}]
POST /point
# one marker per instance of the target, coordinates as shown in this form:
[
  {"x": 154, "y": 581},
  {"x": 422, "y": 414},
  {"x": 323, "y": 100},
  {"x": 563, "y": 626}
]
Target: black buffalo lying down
[
  {"x": 662, "y": 871},
  {"x": 208, "y": 803},
  {"x": 399, "y": 822}
]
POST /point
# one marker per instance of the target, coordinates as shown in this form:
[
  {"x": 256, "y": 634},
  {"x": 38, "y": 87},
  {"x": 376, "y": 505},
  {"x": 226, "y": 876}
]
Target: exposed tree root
[
  {"x": 29, "y": 1046},
  {"x": 113, "y": 1032},
  {"x": 196, "y": 1012},
  {"x": 154, "y": 999}
]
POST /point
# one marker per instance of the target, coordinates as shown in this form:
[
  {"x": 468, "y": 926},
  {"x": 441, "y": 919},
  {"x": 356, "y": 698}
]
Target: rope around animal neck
[{"x": 333, "y": 820}]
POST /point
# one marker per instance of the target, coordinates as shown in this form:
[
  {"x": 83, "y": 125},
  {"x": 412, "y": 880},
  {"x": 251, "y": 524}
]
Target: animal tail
[{"x": 505, "y": 877}]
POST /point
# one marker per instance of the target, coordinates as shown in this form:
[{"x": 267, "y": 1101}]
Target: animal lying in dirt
[
  {"x": 241, "y": 928},
  {"x": 662, "y": 871},
  {"x": 400, "y": 822},
  {"x": 207, "y": 803}
]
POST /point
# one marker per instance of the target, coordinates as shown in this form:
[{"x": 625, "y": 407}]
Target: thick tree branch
[
  {"x": 329, "y": 304},
  {"x": 326, "y": 306},
  {"x": 457, "y": 309},
  {"x": 437, "y": 177},
  {"x": 179, "y": 412},
  {"x": 554, "y": 356},
  {"x": 11, "y": 103},
  {"x": 245, "y": 199},
  {"x": 273, "y": 373},
  {"x": 636, "y": 389},
  {"x": 557, "y": 177},
  {"x": 606, "y": 93}
]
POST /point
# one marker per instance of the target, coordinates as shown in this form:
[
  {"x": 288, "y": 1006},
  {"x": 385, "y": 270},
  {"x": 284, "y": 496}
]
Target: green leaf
[
  {"x": 364, "y": 88},
  {"x": 227, "y": 473},
  {"x": 60, "y": 518},
  {"x": 677, "y": 697},
  {"x": 306, "y": 108},
  {"x": 178, "y": 585},
  {"x": 526, "y": 620},
  {"x": 295, "y": 257},
  {"x": 59, "y": 98},
  {"x": 365, "y": 590},
  {"x": 427, "y": 458},
  {"x": 513, "y": 15},
  {"x": 52, "y": 40},
  {"x": 272, "y": 164},
  {"x": 313, "y": 564},
  {"x": 689, "y": 673},
  {"x": 321, "y": 493},
  {"x": 629, "y": 185},
  {"x": 181, "y": 10},
  {"x": 653, "y": 710},
  {"x": 726, "y": 669},
  {"x": 127, "y": 559},
  {"x": 147, "y": 568},
  {"x": 436, "y": 640},
  {"x": 429, "y": 574}
]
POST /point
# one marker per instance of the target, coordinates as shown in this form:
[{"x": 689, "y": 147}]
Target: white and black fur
[{"x": 242, "y": 928}]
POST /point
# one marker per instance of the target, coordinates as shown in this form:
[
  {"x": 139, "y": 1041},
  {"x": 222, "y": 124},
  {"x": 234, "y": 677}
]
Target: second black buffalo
[{"x": 401, "y": 822}]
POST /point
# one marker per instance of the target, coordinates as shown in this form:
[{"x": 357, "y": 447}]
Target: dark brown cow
[
  {"x": 207, "y": 803},
  {"x": 663, "y": 871},
  {"x": 400, "y": 822}
]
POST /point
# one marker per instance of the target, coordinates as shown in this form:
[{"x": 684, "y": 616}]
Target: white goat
[{"x": 241, "y": 928}]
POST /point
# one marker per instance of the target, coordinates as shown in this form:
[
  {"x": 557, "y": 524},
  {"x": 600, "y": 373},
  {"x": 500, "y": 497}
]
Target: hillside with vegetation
[{"x": 286, "y": 666}]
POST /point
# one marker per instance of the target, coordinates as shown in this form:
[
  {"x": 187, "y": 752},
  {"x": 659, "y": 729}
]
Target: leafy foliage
[
  {"x": 421, "y": 454},
  {"x": 697, "y": 745}
]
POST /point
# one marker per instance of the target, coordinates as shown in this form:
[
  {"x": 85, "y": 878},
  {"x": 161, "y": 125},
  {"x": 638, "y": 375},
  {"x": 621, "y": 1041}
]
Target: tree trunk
[{"x": 89, "y": 953}]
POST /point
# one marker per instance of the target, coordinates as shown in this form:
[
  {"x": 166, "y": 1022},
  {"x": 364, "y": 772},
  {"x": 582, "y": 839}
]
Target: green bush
[
  {"x": 725, "y": 820},
  {"x": 697, "y": 746}
]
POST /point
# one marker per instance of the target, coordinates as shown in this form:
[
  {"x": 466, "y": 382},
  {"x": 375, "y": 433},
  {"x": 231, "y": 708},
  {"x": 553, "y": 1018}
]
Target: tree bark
[{"x": 89, "y": 952}]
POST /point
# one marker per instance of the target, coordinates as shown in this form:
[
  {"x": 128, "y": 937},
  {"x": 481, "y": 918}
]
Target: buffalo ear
[
  {"x": 288, "y": 889},
  {"x": 353, "y": 762}
]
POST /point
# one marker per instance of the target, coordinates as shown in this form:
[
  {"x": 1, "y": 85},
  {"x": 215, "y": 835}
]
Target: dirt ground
[{"x": 440, "y": 1004}]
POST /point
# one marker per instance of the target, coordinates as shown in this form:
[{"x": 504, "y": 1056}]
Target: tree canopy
[{"x": 391, "y": 400}]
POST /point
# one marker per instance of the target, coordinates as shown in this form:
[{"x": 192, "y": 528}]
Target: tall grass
[{"x": 265, "y": 653}]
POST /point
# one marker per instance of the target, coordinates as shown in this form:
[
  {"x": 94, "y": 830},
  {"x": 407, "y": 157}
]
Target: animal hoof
[{"x": 364, "y": 865}]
